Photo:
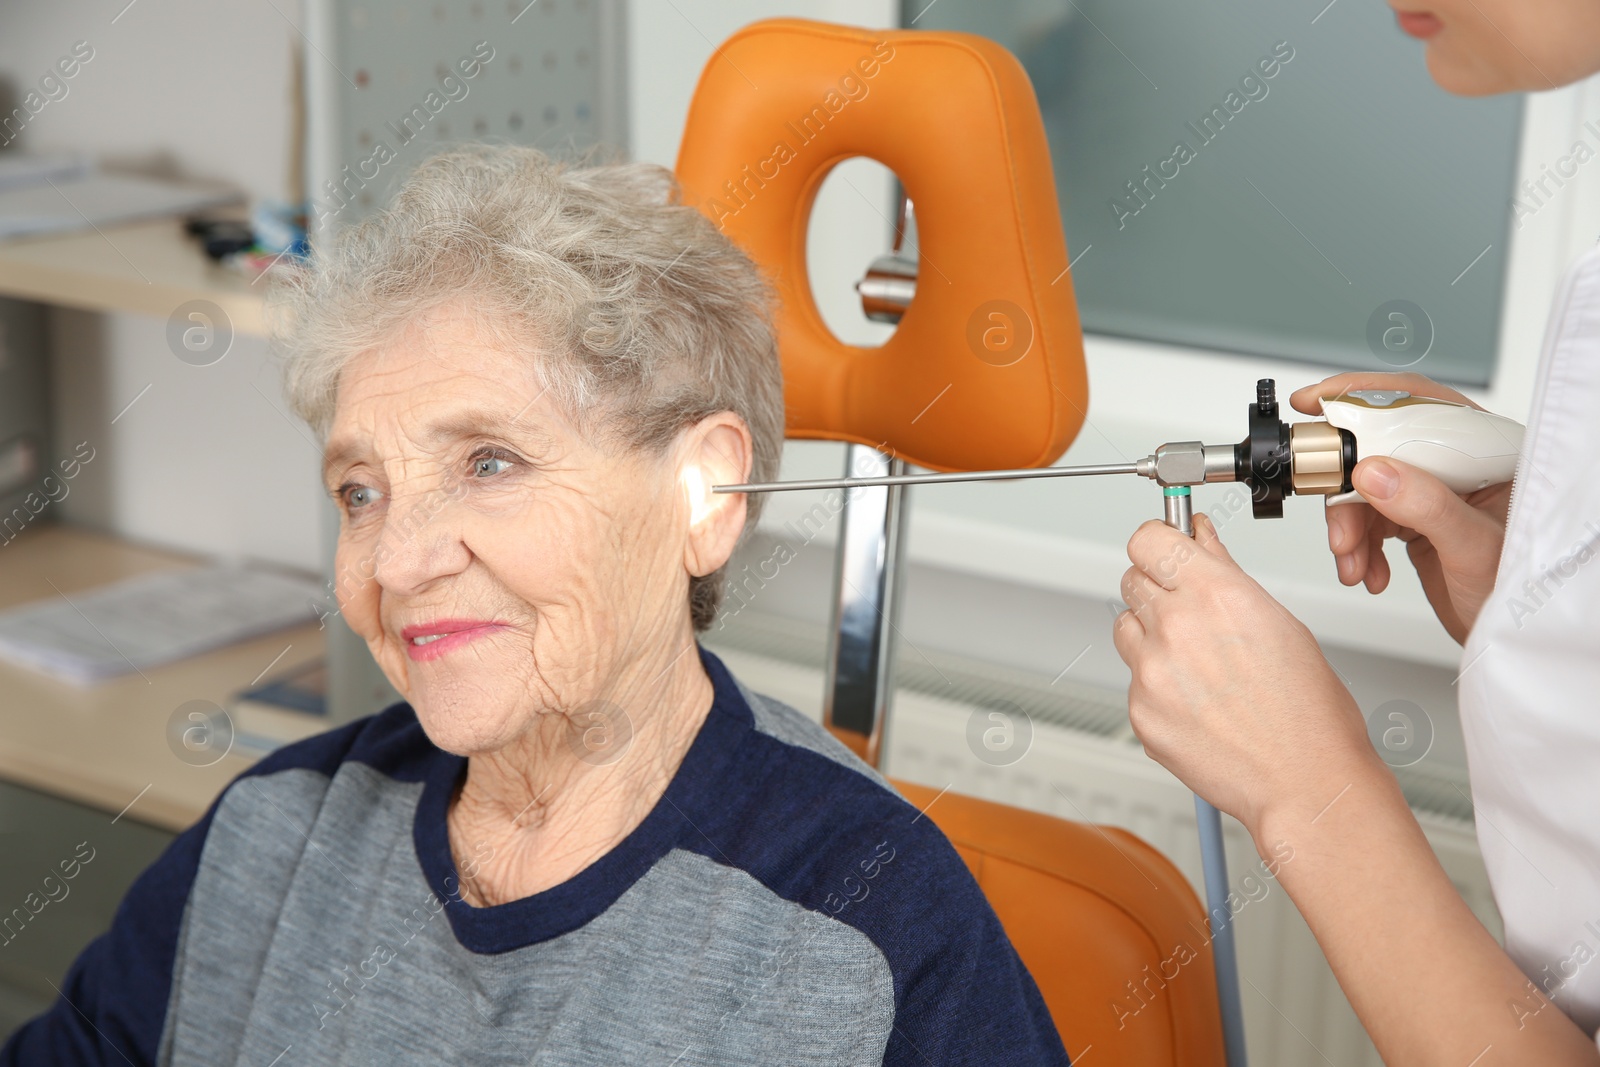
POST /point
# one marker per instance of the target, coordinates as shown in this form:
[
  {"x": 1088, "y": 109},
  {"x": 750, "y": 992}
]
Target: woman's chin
[
  {"x": 463, "y": 728},
  {"x": 1470, "y": 75}
]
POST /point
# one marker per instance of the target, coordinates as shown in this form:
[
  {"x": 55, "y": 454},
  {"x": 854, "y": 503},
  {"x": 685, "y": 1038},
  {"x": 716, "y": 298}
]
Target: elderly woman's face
[{"x": 474, "y": 509}]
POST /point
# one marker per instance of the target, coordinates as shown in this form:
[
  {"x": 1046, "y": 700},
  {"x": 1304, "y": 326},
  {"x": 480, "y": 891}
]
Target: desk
[
  {"x": 106, "y": 745},
  {"x": 145, "y": 267}
]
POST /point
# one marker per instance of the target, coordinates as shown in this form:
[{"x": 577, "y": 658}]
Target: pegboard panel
[{"x": 388, "y": 82}]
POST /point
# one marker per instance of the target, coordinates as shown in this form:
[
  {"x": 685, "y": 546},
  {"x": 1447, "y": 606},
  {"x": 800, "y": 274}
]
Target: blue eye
[
  {"x": 354, "y": 496},
  {"x": 484, "y": 460}
]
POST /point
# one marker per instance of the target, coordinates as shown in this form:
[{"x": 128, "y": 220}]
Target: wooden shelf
[
  {"x": 107, "y": 744},
  {"x": 145, "y": 267}
]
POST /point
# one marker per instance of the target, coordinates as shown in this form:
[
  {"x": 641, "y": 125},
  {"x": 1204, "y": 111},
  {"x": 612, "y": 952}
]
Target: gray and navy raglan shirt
[{"x": 781, "y": 904}]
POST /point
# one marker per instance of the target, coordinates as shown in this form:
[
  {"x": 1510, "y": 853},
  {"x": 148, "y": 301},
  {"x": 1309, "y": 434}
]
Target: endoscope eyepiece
[{"x": 1276, "y": 459}]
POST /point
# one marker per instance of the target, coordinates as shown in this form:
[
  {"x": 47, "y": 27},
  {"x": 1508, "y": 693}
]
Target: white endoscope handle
[{"x": 1463, "y": 447}]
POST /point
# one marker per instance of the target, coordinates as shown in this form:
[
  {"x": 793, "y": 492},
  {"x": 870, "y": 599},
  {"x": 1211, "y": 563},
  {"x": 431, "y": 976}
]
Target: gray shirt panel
[{"x": 311, "y": 935}]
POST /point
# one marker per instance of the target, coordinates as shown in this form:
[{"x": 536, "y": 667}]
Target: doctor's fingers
[
  {"x": 1349, "y": 524},
  {"x": 1140, "y": 592},
  {"x": 1207, "y": 537},
  {"x": 1356, "y": 533},
  {"x": 1129, "y": 636},
  {"x": 1308, "y": 397},
  {"x": 1377, "y": 570},
  {"x": 1170, "y": 558}
]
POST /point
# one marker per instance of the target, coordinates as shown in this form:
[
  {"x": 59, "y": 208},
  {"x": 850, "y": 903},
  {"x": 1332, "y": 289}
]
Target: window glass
[{"x": 1260, "y": 177}]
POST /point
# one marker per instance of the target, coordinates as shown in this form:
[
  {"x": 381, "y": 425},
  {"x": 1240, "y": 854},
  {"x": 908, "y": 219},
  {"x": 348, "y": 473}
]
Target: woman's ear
[{"x": 717, "y": 451}]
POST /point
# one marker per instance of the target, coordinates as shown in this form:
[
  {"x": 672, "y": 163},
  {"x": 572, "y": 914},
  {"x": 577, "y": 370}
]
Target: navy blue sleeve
[
  {"x": 962, "y": 995},
  {"x": 113, "y": 1002},
  {"x": 859, "y": 853}
]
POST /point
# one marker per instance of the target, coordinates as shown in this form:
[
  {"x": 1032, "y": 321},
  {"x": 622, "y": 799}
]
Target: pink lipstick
[{"x": 429, "y": 640}]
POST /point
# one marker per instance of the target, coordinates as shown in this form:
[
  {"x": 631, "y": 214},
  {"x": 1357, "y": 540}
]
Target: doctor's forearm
[{"x": 1429, "y": 983}]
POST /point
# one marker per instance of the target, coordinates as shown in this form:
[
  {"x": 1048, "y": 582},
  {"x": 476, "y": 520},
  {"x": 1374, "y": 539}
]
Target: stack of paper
[
  {"x": 98, "y": 200},
  {"x": 144, "y": 622},
  {"x": 59, "y": 194},
  {"x": 18, "y": 169}
]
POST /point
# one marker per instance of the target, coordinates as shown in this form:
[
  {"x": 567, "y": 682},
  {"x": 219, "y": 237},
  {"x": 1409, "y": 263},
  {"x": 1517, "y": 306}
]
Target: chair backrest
[
  {"x": 992, "y": 333},
  {"x": 1110, "y": 930}
]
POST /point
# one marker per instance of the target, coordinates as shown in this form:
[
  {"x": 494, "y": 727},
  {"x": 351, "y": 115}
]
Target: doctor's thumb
[
  {"x": 1414, "y": 498},
  {"x": 1206, "y": 536}
]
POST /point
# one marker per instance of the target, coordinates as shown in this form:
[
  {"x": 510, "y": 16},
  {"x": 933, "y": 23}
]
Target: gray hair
[{"x": 643, "y": 316}]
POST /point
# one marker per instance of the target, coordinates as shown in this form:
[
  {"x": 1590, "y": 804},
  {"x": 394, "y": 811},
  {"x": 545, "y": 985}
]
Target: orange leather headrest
[{"x": 986, "y": 368}]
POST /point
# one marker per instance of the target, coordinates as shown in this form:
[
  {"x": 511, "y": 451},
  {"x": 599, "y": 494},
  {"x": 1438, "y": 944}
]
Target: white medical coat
[{"x": 1530, "y": 687}]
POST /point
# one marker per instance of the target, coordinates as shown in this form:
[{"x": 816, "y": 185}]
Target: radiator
[{"x": 1084, "y": 764}]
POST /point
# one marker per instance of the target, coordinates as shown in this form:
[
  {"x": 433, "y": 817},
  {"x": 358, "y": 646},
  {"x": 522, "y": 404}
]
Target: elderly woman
[{"x": 579, "y": 840}]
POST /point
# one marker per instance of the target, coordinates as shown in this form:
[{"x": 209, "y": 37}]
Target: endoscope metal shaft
[
  {"x": 919, "y": 479},
  {"x": 1178, "y": 463}
]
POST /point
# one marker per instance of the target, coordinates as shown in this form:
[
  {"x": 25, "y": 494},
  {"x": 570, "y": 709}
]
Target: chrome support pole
[
  {"x": 867, "y": 583},
  {"x": 1214, "y": 859}
]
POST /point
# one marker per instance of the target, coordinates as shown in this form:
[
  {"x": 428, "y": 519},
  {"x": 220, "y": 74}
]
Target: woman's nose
[{"x": 420, "y": 542}]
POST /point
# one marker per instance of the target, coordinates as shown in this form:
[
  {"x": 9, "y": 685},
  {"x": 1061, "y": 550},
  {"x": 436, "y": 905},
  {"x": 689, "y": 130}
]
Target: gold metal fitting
[{"x": 1317, "y": 455}]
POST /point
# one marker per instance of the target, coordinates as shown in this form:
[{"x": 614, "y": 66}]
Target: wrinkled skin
[{"x": 577, "y": 709}]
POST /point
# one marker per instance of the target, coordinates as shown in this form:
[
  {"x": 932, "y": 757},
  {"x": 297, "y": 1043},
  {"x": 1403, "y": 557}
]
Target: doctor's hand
[
  {"x": 1230, "y": 692},
  {"x": 1453, "y": 542}
]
